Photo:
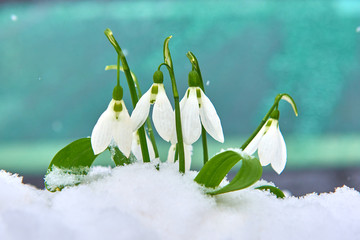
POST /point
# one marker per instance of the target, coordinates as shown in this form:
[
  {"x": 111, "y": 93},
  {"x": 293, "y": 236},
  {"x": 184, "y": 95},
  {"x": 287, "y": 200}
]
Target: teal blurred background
[{"x": 54, "y": 86}]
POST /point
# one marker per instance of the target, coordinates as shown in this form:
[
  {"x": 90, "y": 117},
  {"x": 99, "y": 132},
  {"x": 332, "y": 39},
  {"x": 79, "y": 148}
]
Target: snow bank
[{"x": 140, "y": 202}]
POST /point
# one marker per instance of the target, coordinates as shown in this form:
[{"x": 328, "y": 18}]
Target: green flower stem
[
  {"x": 148, "y": 122},
  {"x": 263, "y": 121},
  {"x": 195, "y": 66},
  {"x": 134, "y": 97},
  {"x": 177, "y": 119},
  {"x": 284, "y": 96},
  {"x": 118, "y": 70}
]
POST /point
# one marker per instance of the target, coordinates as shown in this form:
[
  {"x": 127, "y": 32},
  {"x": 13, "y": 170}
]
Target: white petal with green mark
[
  {"x": 272, "y": 148},
  {"x": 210, "y": 119},
  {"x": 122, "y": 134}
]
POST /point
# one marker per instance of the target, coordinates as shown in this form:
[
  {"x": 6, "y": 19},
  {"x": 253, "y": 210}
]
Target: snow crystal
[{"x": 140, "y": 202}]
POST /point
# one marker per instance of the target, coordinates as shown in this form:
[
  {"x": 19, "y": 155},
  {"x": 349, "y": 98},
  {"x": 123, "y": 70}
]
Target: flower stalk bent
[{"x": 134, "y": 97}]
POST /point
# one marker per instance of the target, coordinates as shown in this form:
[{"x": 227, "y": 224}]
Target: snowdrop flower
[
  {"x": 187, "y": 152},
  {"x": 136, "y": 148},
  {"x": 270, "y": 144},
  {"x": 163, "y": 115},
  {"x": 113, "y": 125},
  {"x": 196, "y": 106}
]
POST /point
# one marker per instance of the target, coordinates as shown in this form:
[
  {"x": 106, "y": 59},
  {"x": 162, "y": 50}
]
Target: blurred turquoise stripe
[{"x": 305, "y": 152}]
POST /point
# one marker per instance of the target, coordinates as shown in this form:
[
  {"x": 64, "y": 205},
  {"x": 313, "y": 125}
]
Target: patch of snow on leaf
[{"x": 59, "y": 178}]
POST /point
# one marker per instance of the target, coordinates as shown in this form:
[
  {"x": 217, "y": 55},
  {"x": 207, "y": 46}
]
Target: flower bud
[
  {"x": 194, "y": 79},
  {"x": 117, "y": 93},
  {"x": 275, "y": 114},
  {"x": 158, "y": 77}
]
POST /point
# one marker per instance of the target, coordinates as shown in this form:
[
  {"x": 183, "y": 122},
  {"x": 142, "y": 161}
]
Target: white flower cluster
[{"x": 115, "y": 126}]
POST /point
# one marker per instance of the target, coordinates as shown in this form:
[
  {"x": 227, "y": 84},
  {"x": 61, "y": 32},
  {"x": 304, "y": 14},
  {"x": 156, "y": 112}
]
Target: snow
[{"x": 139, "y": 202}]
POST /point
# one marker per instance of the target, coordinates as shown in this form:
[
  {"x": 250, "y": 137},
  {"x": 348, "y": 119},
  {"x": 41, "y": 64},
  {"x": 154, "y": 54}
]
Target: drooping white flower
[
  {"x": 114, "y": 124},
  {"x": 187, "y": 153},
  {"x": 196, "y": 110},
  {"x": 136, "y": 148},
  {"x": 163, "y": 115},
  {"x": 270, "y": 145}
]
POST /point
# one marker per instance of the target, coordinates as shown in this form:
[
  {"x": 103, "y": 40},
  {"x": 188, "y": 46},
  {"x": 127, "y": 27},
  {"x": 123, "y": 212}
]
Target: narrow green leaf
[
  {"x": 274, "y": 190},
  {"x": 192, "y": 58},
  {"x": 215, "y": 170},
  {"x": 249, "y": 173},
  {"x": 114, "y": 67},
  {"x": 289, "y": 99},
  {"x": 166, "y": 51}
]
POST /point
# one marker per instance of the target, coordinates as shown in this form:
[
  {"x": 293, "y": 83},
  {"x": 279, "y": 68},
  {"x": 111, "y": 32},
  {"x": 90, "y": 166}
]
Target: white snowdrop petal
[
  {"x": 163, "y": 115},
  {"x": 278, "y": 164},
  {"x": 190, "y": 119},
  {"x": 141, "y": 111},
  {"x": 101, "y": 135},
  {"x": 184, "y": 99},
  {"x": 123, "y": 132},
  {"x": 268, "y": 149},
  {"x": 188, "y": 152},
  {"x": 173, "y": 138},
  {"x": 253, "y": 145},
  {"x": 150, "y": 148},
  {"x": 171, "y": 153},
  {"x": 210, "y": 119},
  {"x": 135, "y": 146}
]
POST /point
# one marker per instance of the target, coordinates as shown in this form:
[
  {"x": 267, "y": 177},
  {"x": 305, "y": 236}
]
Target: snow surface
[{"x": 140, "y": 202}]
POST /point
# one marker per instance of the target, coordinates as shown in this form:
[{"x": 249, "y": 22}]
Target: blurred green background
[{"x": 53, "y": 86}]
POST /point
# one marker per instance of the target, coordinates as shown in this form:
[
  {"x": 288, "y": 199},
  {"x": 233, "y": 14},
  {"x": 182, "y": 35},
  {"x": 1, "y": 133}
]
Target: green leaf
[
  {"x": 274, "y": 190},
  {"x": 75, "y": 158},
  {"x": 114, "y": 67},
  {"x": 289, "y": 99},
  {"x": 249, "y": 173},
  {"x": 192, "y": 59},
  {"x": 77, "y": 154},
  {"x": 166, "y": 51},
  {"x": 215, "y": 170},
  {"x": 118, "y": 157}
]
